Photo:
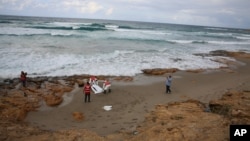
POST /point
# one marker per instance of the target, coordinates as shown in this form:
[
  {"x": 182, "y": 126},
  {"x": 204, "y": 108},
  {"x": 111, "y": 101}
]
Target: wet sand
[{"x": 131, "y": 101}]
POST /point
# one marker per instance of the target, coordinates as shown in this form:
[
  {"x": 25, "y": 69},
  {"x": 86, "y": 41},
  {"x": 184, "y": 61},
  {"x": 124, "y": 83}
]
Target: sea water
[{"x": 62, "y": 46}]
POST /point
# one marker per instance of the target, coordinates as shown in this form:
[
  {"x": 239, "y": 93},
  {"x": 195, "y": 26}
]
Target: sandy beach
[{"x": 131, "y": 101}]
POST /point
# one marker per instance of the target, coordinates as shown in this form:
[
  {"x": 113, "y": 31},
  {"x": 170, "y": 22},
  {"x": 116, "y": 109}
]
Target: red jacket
[
  {"x": 23, "y": 77},
  {"x": 87, "y": 89}
]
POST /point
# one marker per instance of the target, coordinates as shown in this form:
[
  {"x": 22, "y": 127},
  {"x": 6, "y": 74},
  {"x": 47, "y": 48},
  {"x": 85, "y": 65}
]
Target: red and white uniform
[
  {"x": 87, "y": 89},
  {"x": 106, "y": 85},
  {"x": 93, "y": 80}
]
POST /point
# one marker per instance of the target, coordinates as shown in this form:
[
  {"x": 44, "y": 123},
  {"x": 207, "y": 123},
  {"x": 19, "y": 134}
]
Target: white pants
[{"x": 106, "y": 87}]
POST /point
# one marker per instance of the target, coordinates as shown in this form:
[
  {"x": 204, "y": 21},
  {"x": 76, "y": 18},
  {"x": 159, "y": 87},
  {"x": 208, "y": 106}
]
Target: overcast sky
[{"x": 222, "y": 13}]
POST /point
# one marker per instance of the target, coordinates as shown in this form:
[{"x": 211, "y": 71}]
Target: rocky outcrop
[
  {"x": 183, "y": 121},
  {"x": 196, "y": 70},
  {"x": 229, "y": 63},
  {"x": 15, "y": 106},
  {"x": 17, "y": 101},
  {"x": 230, "y": 54},
  {"x": 193, "y": 120},
  {"x": 159, "y": 71},
  {"x": 189, "y": 120},
  {"x": 234, "y": 106}
]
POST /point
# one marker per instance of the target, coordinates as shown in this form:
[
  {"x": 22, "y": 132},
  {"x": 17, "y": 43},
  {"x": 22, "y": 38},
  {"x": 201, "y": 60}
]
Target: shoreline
[
  {"x": 230, "y": 64},
  {"x": 132, "y": 100}
]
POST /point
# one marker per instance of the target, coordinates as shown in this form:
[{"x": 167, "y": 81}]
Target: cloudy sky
[{"x": 222, "y": 13}]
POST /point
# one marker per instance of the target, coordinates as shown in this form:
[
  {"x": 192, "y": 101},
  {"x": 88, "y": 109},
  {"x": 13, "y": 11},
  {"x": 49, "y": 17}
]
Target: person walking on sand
[
  {"x": 23, "y": 78},
  {"x": 168, "y": 84},
  {"x": 86, "y": 90}
]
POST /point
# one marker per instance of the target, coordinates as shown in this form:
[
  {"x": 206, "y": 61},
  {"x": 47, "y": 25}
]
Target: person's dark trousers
[
  {"x": 24, "y": 83},
  {"x": 168, "y": 89},
  {"x": 87, "y": 97}
]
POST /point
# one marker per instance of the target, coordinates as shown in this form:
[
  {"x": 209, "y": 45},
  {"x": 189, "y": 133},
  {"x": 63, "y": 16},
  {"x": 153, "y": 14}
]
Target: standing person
[
  {"x": 93, "y": 80},
  {"x": 168, "y": 84},
  {"x": 23, "y": 78},
  {"x": 86, "y": 90},
  {"x": 106, "y": 86}
]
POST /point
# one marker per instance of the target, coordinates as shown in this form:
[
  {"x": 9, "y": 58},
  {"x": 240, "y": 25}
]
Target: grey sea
[{"x": 61, "y": 46}]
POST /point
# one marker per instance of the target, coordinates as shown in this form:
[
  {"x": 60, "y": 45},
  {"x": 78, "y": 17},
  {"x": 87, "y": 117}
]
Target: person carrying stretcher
[
  {"x": 106, "y": 86},
  {"x": 93, "y": 80}
]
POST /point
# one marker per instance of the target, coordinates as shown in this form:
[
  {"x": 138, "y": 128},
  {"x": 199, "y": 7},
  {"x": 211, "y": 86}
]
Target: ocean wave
[
  {"x": 149, "y": 51},
  {"x": 208, "y": 42},
  {"x": 113, "y": 27},
  {"x": 5, "y": 22},
  {"x": 229, "y": 43},
  {"x": 219, "y": 35},
  {"x": 141, "y": 39},
  {"x": 43, "y": 34},
  {"x": 79, "y": 26},
  {"x": 216, "y": 28},
  {"x": 118, "y": 62},
  {"x": 188, "y": 41},
  {"x": 243, "y": 37},
  {"x": 55, "y": 47},
  {"x": 88, "y": 28}
]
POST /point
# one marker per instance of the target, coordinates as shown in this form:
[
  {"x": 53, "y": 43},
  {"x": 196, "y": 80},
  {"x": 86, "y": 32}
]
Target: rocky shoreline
[{"x": 189, "y": 120}]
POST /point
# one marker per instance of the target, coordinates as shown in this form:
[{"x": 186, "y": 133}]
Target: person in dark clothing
[
  {"x": 86, "y": 90},
  {"x": 23, "y": 78},
  {"x": 168, "y": 84}
]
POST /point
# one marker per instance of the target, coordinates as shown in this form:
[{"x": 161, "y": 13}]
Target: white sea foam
[
  {"x": 217, "y": 28},
  {"x": 229, "y": 43},
  {"x": 119, "y": 62},
  {"x": 112, "y": 27},
  {"x": 108, "y": 47},
  {"x": 243, "y": 37},
  {"x": 20, "y": 31}
]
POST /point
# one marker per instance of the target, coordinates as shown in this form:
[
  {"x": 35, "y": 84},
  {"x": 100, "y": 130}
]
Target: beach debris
[
  {"x": 78, "y": 116},
  {"x": 107, "y": 108},
  {"x": 135, "y": 132}
]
